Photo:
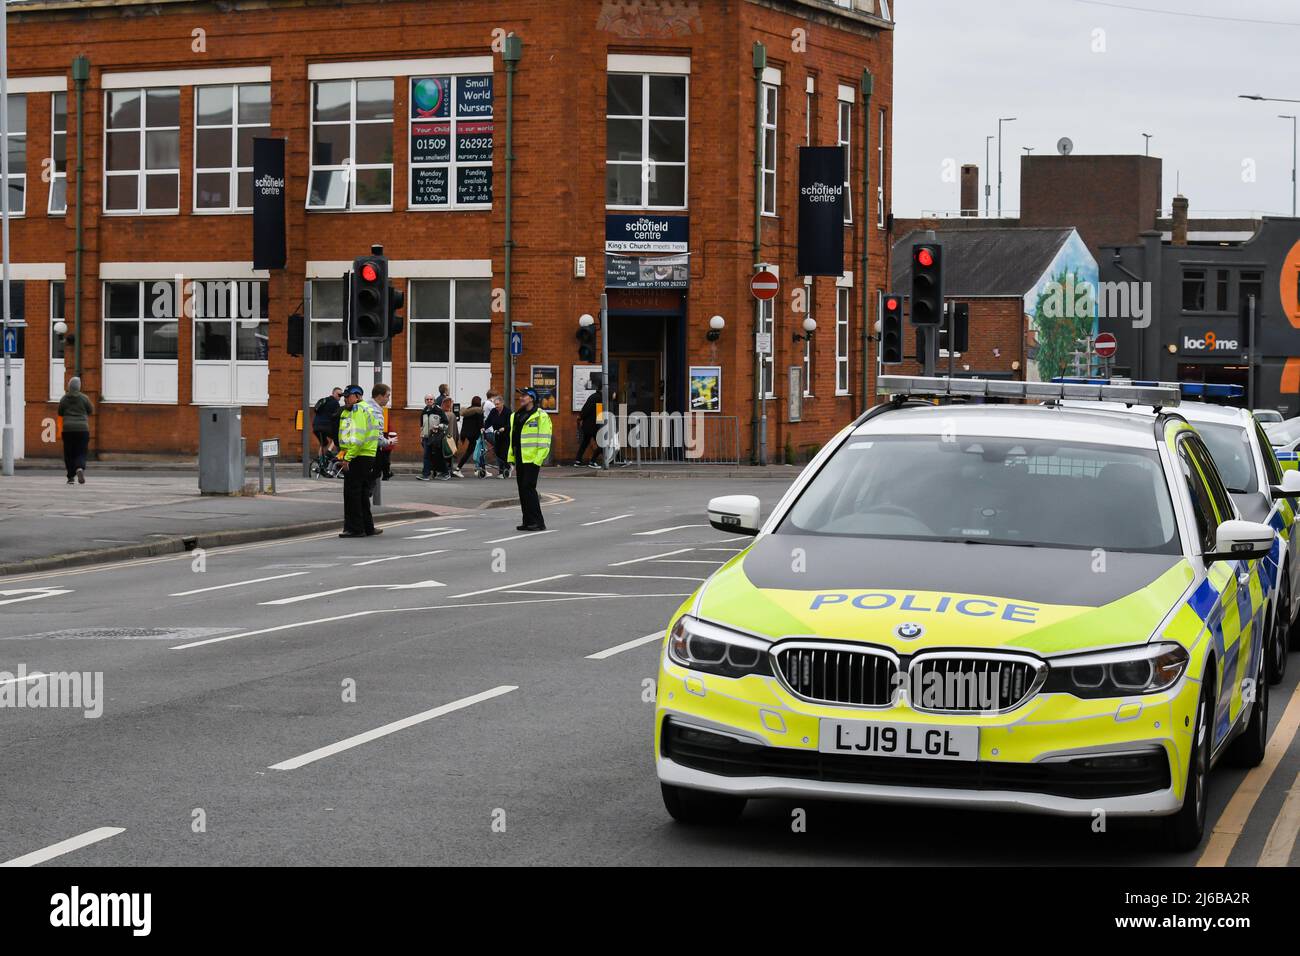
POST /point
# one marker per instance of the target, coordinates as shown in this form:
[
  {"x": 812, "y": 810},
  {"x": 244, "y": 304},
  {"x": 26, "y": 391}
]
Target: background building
[{"x": 394, "y": 116}]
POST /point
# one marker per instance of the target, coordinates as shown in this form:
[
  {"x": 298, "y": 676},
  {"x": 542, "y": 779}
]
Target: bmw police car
[
  {"x": 1007, "y": 606},
  {"x": 1262, "y": 490}
]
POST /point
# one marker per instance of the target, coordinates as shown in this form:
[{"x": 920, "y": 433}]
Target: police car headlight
[
  {"x": 1148, "y": 669},
  {"x": 702, "y": 646}
]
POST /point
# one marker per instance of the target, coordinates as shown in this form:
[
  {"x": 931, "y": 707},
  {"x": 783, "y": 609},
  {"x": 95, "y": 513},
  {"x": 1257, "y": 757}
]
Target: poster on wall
[
  {"x": 706, "y": 388},
  {"x": 546, "y": 380},
  {"x": 586, "y": 381},
  {"x": 451, "y": 132}
]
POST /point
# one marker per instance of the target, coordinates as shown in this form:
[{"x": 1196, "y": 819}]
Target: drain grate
[{"x": 126, "y": 634}]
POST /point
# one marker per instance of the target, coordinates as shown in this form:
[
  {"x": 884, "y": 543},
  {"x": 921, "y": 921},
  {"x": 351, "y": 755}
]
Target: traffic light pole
[
  {"x": 306, "y": 379},
  {"x": 7, "y": 437},
  {"x": 606, "y": 414}
]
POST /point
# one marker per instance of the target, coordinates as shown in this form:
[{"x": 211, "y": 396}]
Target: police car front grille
[
  {"x": 834, "y": 675},
  {"x": 972, "y": 683}
]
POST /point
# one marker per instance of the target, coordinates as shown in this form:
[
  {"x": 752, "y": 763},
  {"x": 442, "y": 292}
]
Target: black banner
[
  {"x": 268, "y": 204},
  {"x": 821, "y": 210}
]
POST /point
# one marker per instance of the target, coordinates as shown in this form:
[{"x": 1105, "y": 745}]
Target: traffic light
[
  {"x": 586, "y": 336},
  {"x": 927, "y": 284},
  {"x": 396, "y": 300},
  {"x": 959, "y": 333},
  {"x": 891, "y": 330},
  {"x": 368, "y": 304},
  {"x": 294, "y": 345}
]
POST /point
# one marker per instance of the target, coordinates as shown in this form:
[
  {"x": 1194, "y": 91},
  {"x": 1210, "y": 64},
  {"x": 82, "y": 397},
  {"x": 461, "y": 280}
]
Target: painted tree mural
[{"x": 1064, "y": 313}]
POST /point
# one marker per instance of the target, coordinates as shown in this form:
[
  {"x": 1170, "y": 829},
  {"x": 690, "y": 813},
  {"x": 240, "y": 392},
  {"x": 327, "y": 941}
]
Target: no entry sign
[
  {"x": 764, "y": 285},
  {"x": 1105, "y": 345}
]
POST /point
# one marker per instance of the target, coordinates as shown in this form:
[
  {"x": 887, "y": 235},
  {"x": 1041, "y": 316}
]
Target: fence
[{"x": 698, "y": 438}]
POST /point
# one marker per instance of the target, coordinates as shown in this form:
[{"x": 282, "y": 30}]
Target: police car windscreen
[
  {"x": 1282, "y": 433},
  {"x": 1005, "y": 491},
  {"x": 1230, "y": 448}
]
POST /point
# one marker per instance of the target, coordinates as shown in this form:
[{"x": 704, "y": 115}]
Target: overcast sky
[{"x": 960, "y": 64}]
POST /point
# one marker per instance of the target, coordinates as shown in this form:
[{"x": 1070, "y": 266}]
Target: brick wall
[{"x": 558, "y": 181}]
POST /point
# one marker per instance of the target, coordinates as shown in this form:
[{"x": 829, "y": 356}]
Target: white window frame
[
  {"x": 767, "y": 364},
  {"x": 197, "y": 313},
  {"x": 771, "y": 101},
  {"x": 880, "y": 172},
  {"x": 56, "y": 176},
  {"x": 234, "y": 169},
  {"x": 19, "y": 135},
  {"x": 141, "y": 173},
  {"x": 141, "y": 363},
  {"x": 415, "y": 396},
  {"x": 348, "y": 167},
  {"x": 844, "y": 138},
  {"x": 453, "y": 165},
  {"x": 647, "y": 165},
  {"x": 843, "y": 307}
]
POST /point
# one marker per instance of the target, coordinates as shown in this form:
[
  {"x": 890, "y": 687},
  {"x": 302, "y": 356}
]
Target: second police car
[{"x": 1007, "y": 606}]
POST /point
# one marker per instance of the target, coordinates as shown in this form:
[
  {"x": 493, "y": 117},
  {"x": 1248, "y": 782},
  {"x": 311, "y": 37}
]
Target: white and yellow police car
[
  {"x": 1260, "y": 487},
  {"x": 1004, "y": 606}
]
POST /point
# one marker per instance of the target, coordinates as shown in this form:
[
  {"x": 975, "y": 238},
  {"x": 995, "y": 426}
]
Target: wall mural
[{"x": 1060, "y": 309}]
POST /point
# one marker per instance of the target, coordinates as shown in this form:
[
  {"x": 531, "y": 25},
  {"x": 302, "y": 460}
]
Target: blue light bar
[{"x": 1186, "y": 389}]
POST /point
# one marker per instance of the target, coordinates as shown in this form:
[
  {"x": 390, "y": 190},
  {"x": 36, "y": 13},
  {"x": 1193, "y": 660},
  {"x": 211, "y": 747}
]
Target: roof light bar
[
  {"x": 1096, "y": 390},
  {"x": 1186, "y": 389}
]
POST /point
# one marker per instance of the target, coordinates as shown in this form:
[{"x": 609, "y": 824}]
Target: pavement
[
  {"x": 141, "y": 507},
  {"x": 450, "y": 692}
]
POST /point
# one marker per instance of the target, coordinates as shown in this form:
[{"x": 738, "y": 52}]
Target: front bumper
[{"x": 751, "y": 737}]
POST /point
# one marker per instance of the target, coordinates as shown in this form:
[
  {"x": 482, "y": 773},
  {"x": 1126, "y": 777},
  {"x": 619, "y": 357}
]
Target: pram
[
  {"x": 486, "y": 442},
  {"x": 326, "y": 464}
]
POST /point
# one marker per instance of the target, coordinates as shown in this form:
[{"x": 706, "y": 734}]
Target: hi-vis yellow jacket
[
  {"x": 534, "y": 440},
  {"x": 359, "y": 429}
]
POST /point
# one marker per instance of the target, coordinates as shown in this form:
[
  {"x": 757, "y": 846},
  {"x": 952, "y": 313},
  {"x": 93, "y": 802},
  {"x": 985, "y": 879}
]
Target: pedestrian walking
[
  {"x": 75, "y": 410},
  {"x": 359, "y": 429},
  {"x": 588, "y": 427},
  {"x": 471, "y": 426},
  {"x": 380, "y": 396},
  {"x": 530, "y": 443},
  {"x": 451, "y": 437},
  {"x": 497, "y": 423}
]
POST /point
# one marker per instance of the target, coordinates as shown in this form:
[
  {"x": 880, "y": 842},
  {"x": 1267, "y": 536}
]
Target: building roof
[{"x": 994, "y": 261}]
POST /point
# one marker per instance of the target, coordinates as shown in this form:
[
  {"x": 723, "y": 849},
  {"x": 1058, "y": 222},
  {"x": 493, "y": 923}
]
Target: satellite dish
[{"x": 1065, "y": 146}]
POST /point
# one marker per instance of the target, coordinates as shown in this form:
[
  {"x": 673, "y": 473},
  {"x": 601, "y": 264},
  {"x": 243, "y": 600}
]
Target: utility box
[{"x": 221, "y": 450}]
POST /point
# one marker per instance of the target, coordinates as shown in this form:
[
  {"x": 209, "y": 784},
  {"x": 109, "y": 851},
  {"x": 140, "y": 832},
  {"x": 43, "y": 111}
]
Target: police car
[
  {"x": 1261, "y": 490},
  {"x": 1005, "y": 606},
  {"x": 1285, "y": 437}
]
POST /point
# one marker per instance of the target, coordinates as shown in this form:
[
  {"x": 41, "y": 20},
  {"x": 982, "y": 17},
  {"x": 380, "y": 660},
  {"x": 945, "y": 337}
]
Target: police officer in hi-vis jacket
[
  {"x": 530, "y": 443},
  {"x": 359, "y": 429}
]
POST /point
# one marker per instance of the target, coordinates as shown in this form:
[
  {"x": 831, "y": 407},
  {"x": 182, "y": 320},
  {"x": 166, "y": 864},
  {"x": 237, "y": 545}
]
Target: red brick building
[{"x": 394, "y": 116}]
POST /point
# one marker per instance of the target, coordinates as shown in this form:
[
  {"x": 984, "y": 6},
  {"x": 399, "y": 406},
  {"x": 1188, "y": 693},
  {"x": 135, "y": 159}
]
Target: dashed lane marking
[
  {"x": 65, "y": 846},
  {"x": 588, "y": 524},
  {"x": 676, "y": 527},
  {"x": 238, "y": 584},
  {"x": 625, "y": 646},
  {"x": 650, "y": 557},
  {"x": 397, "y": 557},
  {"x": 525, "y": 534}
]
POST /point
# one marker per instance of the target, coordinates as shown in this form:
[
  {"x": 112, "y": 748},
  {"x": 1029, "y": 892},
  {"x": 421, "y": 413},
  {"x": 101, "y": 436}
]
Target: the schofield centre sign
[{"x": 628, "y": 239}]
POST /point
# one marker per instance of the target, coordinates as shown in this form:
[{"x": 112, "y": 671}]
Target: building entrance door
[{"x": 636, "y": 381}]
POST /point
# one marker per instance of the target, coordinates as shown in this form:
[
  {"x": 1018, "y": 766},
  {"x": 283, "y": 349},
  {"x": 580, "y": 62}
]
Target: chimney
[
  {"x": 970, "y": 190},
  {"x": 1180, "y": 221}
]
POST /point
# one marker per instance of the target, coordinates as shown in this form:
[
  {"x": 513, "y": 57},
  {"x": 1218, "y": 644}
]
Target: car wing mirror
[
  {"x": 737, "y": 514},
  {"x": 1242, "y": 541},
  {"x": 1290, "y": 486}
]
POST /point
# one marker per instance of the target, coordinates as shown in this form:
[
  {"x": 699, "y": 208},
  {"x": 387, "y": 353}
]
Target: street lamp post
[
  {"x": 1146, "y": 145},
  {"x": 1292, "y": 118},
  {"x": 1029, "y": 150},
  {"x": 1001, "y": 120},
  {"x": 7, "y": 438},
  {"x": 988, "y": 190}
]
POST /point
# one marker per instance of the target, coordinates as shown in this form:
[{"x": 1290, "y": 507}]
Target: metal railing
[{"x": 692, "y": 439}]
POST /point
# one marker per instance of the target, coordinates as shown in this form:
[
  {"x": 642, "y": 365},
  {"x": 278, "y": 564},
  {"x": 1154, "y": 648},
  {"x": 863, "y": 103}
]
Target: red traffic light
[
  {"x": 925, "y": 257},
  {"x": 369, "y": 273},
  {"x": 891, "y": 304}
]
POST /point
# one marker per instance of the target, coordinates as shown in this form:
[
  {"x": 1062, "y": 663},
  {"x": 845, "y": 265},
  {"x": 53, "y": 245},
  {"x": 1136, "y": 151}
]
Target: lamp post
[
  {"x": 1029, "y": 150},
  {"x": 988, "y": 190},
  {"x": 1146, "y": 144},
  {"x": 1278, "y": 99},
  {"x": 7, "y": 437},
  {"x": 1001, "y": 120}
]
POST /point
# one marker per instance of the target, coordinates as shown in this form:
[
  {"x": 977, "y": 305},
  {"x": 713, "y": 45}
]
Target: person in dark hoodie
[
  {"x": 75, "y": 410},
  {"x": 498, "y": 423},
  {"x": 471, "y": 426}
]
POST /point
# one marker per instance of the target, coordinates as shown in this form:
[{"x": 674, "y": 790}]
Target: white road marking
[
  {"x": 588, "y": 524},
  {"x": 23, "y": 680},
  {"x": 690, "y": 561},
  {"x": 33, "y": 594},
  {"x": 356, "y": 587},
  {"x": 433, "y": 534},
  {"x": 367, "y": 613},
  {"x": 516, "y": 537},
  {"x": 651, "y": 557},
  {"x": 65, "y": 846},
  {"x": 568, "y": 593},
  {"x": 645, "y": 577},
  {"x": 237, "y": 584},
  {"x": 625, "y": 646},
  {"x": 396, "y": 557},
  {"x": 676, "y": 527},
  {"x": 507, "y": 587},
  {"x": 295, "y": 762},
  {"x": 728, "y": 550}
]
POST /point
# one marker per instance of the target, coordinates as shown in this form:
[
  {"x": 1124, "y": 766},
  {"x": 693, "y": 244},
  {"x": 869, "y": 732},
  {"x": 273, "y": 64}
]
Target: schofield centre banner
[
  {"x": 268, "y": 204},
  {"x": 821, "y": 211}
]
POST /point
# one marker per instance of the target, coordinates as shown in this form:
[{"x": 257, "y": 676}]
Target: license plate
[{"x": 925, "y": 741}]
